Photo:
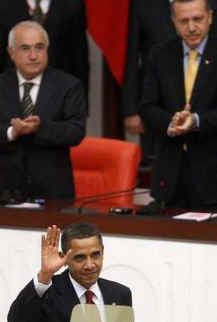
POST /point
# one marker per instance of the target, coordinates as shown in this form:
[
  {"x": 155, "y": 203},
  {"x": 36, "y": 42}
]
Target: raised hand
[{"x": 51, "y": 259}]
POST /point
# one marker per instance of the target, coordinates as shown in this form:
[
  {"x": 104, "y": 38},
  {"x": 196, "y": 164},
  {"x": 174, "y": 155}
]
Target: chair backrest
[{"x": 102, "y": 166}]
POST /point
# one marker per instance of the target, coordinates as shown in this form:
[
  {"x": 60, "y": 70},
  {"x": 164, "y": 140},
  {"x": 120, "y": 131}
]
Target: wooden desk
[{"x": 147, "y": 226}]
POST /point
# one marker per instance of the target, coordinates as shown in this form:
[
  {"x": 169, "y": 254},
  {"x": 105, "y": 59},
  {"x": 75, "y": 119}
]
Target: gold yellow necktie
[{"x": 190, "y": 73}]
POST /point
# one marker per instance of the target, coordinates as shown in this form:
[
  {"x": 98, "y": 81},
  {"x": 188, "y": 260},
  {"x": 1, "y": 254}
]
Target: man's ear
[
  {"x": 10, "y": 53},
  {"x": 210, "y": 17}
]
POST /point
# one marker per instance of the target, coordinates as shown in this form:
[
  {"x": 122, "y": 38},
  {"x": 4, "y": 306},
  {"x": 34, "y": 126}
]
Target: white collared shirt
[
  {"x": 33, "y": 93},
  {"x": 35, "y": 88},
  {"x": 44, "y": 4}
]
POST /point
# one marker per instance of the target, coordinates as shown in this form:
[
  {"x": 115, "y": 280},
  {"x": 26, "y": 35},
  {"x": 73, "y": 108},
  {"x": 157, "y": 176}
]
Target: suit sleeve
[
  {"x": 129, "y": 298},
  {"x": 3, "y": 46},
  {"x": 70, "y": 129},
  {"x": 79, "y": 45},
  {"x": 27, "y": 306},
  {"x": 129, "y": 93},
  {"x": 156, "y": 117}
]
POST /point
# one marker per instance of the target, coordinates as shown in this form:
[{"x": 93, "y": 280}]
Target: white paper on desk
[
  {"x": 197, "y": 216},
  {"x": 24, "y": 205}
]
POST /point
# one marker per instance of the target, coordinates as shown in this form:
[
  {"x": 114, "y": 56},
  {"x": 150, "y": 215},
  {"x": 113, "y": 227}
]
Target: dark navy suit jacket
[
  {"x": 66, "y": 27},
  {"x": 57, "y": 303},
  {"x": 41, "y": 162},
  {"x": 164, "y": 94}
]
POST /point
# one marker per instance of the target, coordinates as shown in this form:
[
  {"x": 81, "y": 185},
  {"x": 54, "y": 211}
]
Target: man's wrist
[{"x": 44, "y": 277}]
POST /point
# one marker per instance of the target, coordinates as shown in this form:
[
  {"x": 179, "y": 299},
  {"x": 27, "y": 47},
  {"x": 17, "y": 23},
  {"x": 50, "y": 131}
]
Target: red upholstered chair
[{"x": 102, "y": 166}]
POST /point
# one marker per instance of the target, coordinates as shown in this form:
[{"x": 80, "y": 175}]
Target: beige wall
[{"x": 94, "y": 124}]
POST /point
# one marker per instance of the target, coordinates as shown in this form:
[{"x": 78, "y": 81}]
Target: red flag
[{"x": 108, "y": 25}]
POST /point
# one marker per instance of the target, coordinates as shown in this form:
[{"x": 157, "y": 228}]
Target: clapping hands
[{"x": 182, "y": 122}]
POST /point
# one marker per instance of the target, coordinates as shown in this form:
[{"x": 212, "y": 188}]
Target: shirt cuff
[
  {"x": 10, "y": 135},
  {"x": 168, "y": 131},
  {"x": 40, "y": 287},
  {"x": 197, "y": 120}
]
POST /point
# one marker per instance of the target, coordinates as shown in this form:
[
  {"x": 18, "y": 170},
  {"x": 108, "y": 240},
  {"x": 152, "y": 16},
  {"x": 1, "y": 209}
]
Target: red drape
[{"x": 108, "y": 25}]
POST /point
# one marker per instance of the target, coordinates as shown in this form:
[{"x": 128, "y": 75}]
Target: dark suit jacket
[
  {"x": 57, "y": 303},
  {"x": 164, "y": 94},
  {"x": 66, "y": 27},
  {"x": 41, "y": 161},
  {"x": 149, "y": 24}
]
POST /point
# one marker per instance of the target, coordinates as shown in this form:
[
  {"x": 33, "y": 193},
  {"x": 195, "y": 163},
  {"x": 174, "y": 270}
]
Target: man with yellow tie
[{"x": 180, "y": 106}]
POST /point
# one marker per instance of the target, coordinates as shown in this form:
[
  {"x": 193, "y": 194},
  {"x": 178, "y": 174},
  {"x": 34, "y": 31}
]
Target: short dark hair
[
  {"x": 79, "y": 231},
  {"x": 173, "y": 2}
]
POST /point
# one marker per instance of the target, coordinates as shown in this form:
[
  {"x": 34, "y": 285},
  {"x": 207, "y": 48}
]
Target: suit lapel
[
  {"x": 69, "y": 296},
  {"x": 54, "y": 12},
  {"x": 175, "y": 65},
  {"x": 23, "y": 9},
  {"x": 205, "y": 70},
  {"x": 45, "y": 93},
  {"x": 12, "y": 88},
  {"x": 107, "y": 294}
]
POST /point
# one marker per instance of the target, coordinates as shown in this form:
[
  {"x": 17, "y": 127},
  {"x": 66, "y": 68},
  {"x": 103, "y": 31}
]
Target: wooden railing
[{"x": 147, "y": 226}]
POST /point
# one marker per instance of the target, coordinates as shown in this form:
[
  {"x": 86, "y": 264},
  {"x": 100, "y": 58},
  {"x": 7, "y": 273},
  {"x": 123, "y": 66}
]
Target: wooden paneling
[{"x": 156, "y": 226}]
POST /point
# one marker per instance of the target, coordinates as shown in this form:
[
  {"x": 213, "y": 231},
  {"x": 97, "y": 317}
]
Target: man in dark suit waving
[
  {"x": 185, "y": 122},
  {"x": 42, "y": 114},
  {"x": 49, "y": 298}
]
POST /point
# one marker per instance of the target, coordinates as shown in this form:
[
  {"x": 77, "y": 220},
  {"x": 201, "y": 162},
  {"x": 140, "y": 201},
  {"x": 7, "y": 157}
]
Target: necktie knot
[
  {"x": 27, "y": 87},
  {"x": 89, "y": 297},
  {"x": 193, "y": 54}
]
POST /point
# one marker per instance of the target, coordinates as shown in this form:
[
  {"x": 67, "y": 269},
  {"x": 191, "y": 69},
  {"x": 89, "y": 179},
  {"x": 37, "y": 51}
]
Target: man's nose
[
  {"x": 32, "y": 53},
  {"x": 89, "y": 263},
  {"x": 191, "y": 25}
]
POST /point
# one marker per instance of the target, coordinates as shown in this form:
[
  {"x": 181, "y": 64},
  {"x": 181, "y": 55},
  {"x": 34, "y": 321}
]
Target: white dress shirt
[
  {"x": 33, "y": 93},
  {"x": 35, "y": 88},
  {"x": 44, "y": 4}
]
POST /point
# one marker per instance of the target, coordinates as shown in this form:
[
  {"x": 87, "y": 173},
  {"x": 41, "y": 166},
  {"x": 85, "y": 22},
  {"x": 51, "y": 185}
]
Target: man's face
[
  {"x": 85, "y": 260},
  {"x": 192, "y": 21},
  {"x": 30, "y": 52}
]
